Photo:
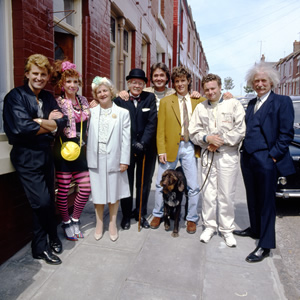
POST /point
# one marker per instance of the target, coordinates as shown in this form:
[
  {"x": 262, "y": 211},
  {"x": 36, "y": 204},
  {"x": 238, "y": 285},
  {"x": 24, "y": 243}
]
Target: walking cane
[{"x": 141, "y": 193}]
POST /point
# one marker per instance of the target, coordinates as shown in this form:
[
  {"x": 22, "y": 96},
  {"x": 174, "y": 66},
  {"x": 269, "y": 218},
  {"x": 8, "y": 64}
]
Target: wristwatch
[{"x": 39, "y": 121}]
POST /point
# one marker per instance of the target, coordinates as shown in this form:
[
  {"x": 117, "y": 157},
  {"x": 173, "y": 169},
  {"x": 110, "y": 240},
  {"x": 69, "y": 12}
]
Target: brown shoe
[
  {"x": 155, "y": 222},
  {"x": 191, "y": 227}
]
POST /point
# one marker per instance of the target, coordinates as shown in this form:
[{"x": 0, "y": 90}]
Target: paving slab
[{"x": 91, "y": 272}]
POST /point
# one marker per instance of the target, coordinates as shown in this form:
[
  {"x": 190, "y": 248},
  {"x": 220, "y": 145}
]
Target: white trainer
[
  {"x": 230, "y": 241},
  {"x": 206, "y": 235}
]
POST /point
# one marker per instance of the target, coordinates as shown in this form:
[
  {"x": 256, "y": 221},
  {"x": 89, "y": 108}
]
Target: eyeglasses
[{"x": 138, "y": 83}]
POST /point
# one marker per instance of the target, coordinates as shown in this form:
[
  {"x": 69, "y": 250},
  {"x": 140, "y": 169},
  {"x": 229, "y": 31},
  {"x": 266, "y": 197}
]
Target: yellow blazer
[{"x": 169, "y": 126}]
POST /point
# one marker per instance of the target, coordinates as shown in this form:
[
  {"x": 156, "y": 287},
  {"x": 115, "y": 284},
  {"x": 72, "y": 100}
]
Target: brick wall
[
  {"x": 167, "y": 6},
  {"x": 31, "y": 33},
  {"x": 96, "y": 42}
]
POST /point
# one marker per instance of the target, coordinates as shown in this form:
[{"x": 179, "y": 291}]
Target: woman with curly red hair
[{"x": 76, "y": 108}]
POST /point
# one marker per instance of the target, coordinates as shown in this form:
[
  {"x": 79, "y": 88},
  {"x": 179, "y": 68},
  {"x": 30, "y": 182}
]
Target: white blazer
[{"x": 119, "y": 141}]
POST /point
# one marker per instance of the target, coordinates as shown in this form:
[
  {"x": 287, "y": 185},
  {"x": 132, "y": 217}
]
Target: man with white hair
[{"x": 265, "y": 155}]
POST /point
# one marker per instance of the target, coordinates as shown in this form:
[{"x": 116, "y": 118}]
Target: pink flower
[{"x": 66, "y": 65}]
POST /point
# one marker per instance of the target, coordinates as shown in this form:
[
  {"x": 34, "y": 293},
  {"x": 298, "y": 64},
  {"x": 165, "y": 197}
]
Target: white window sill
[{"x": 5, "y": 163}]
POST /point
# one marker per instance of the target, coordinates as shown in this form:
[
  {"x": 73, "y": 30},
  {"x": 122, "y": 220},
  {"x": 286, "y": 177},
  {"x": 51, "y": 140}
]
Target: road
[
  {"x": 288, "y": 241},
  {"x": 286, "y": 256}
]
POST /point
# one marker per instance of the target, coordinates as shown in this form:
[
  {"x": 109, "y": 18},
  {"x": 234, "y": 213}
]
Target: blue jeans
[{"x": 188, "y": 161}]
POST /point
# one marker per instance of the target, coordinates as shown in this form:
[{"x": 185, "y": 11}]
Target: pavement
[{"x": 149, "y": 264}]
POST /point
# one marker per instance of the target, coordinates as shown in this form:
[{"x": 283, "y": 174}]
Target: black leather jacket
[{"x": 20, "y": 108}]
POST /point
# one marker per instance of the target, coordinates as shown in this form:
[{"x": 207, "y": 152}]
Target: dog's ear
[
  {"x": 180, "y": 182},
  {"x": 163, "y": 177}
]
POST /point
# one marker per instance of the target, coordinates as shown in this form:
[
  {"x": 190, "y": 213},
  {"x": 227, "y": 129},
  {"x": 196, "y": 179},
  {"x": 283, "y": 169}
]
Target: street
[
  {"x": 286, "y": 255},
  {"x": 288, "y": 240}
]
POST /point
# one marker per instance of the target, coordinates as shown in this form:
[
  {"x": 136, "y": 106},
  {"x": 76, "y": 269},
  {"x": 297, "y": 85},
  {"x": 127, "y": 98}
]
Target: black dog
[{"x": 174, "y": 185}]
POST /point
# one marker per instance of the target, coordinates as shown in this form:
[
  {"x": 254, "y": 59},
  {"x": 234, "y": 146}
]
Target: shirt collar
[
  {"x": 220, "y": 100},
  {"x": 265, "y": 96},
  {"x": 187, "y": 97}
]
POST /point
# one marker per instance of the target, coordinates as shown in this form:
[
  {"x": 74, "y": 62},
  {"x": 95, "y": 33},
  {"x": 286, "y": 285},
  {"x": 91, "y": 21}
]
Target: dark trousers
[
  {"x": 135, "y": 169},
  {"x": 260, "y": 178},
  {"x": 36, "y": 171}
]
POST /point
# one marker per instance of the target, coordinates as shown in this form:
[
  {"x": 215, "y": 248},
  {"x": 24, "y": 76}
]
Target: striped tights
[{"x": 63, "y": 180}]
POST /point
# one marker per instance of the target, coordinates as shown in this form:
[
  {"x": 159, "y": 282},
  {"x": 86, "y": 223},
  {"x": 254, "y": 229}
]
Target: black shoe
[
  {"x": 246, "y": 232},
  {"x": 258, "y": 255},
  {"x": 48, "y": 257},
  {"x": 56, "y": 245},
  {"x": 125, "y": 223},
  {"x": 144, "y": 223}
]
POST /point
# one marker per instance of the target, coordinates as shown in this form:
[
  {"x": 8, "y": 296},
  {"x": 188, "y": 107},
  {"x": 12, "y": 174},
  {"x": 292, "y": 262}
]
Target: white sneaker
[
  {"x": 206, "y": 235},
  {"x": 230, "y": 241}
]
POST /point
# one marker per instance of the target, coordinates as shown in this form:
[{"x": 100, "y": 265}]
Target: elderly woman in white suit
[{"x": 108, "y": 155}]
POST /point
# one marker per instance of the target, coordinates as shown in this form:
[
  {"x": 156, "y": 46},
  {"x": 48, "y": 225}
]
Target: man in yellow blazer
[{"x": 173, "y": 145}]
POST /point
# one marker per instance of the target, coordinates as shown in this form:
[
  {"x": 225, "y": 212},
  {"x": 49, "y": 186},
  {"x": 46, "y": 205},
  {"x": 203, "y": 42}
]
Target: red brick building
[
  {"x": 289, "y": 68},
  {"x": 103, "y": 37}
]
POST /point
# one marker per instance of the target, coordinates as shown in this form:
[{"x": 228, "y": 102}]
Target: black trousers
[
  {"x": 35, "y": 169},
  {"x": 135, "y": 170},
  {"x": 260, "y": 178}
]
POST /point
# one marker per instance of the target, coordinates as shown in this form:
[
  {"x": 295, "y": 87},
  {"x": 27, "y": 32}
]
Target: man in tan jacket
[{"x": 173, "y": 145}]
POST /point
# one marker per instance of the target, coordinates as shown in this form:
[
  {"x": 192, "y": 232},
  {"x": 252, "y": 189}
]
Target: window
[
  {"x": 67, "y": 34},
  {"x": 112, "y": 29},
  {"x": 6, "y": 57},
  {"x": 125, "y": 43},
  {"x": 162, "y": 8},
  {"x": 145, "y": 59},
  {"x": 144, "y": 56},
  {"x": 6, "y": 82},
  {"x": 125, "y": 55},
  {"x": 113, "y": 54},
  {"x": 189, "y": 41},
  {"x": 194, "y": 50},
  {"x": 181, "y": 25},
  {"x": 62, "y": 8},
  {"x": 120, "y": 50},
  {"x": 161, "y": 13}
]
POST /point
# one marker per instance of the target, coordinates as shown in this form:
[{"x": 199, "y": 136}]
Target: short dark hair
[
  {"x": 182, "y": 71},
  {"x": 161, "y": 66},
  {"x": 211, "y": 77}
]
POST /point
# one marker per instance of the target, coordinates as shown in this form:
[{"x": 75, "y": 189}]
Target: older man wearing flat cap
[{"x": 143, "y": 114}]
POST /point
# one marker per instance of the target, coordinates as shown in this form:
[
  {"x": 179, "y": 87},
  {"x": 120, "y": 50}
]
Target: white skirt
[{"x": 107, "y": 187}]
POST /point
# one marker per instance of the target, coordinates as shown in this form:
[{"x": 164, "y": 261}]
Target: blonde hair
[{"x": 40, "y": 61}]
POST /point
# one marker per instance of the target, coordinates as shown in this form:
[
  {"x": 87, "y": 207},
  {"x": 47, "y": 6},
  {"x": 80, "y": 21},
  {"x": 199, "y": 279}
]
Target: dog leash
[
  {"x": 202, "y": 165},
  {"x": 212, "y": 159}
]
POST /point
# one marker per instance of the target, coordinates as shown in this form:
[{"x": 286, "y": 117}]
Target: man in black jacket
[
  {"x": 143, "y": 114},
  {"x": 31, "y": 118}
]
